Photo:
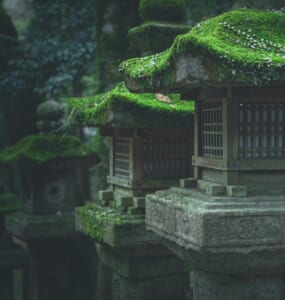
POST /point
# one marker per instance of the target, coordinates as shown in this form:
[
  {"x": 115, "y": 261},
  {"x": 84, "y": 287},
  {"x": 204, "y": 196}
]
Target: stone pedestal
[
  {"x": 133, "y": 264},
  {"x": 12, "y": 256},
  {"x": 57, "y": 269},
  {"x": 224, "y": 287},
  {"x": 234, "y": 245},
  {"x": 139, "y": 274}
]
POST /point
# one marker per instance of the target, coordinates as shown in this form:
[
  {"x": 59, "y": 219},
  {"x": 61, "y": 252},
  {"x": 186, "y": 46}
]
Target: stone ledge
[
  {"x": 212, "y": 189},
  {"x": 110, "y": 226},
  {"x": 27, "y": 226},
  {"x": 219, "y": 224}
]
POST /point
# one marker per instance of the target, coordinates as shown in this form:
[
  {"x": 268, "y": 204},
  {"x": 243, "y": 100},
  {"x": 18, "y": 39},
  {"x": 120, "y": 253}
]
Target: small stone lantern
[
  {"x": 150, "y": 147},
  {"x": 227, "y": 221},
  {"x": 48, "y": 165}
]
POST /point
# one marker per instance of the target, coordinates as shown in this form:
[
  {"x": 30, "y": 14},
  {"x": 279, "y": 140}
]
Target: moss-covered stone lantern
[
  {"x": 48, "y": 165},
  {"x": 227, "y": 221},
  {"x": 150, "y": 138}
]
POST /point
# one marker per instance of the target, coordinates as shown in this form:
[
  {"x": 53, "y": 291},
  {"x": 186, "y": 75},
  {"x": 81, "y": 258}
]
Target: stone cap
[
  {"x": 243, "y": 47},
  {"x": 49, "y": 116},
  {"x": 153, "y": 37},
  {"x": 163, "y": 10},
  {"x": 122, "y": 109}
]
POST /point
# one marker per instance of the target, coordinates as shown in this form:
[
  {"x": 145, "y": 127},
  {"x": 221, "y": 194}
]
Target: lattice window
[
  {"x": 122, "y": 149},
  {"x": 166, "y": 158},
  {"x": 211, "y": 125},
  {"x": 261, "y": 130}
]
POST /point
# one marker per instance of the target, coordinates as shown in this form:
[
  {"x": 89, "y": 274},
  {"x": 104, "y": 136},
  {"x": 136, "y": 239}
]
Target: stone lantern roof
[
  {"x": 121, "y": 108},
  {"x": 239, "y": 48},
  {"x": 49, "y": 147},
  {"x": 39, "y": 149}
]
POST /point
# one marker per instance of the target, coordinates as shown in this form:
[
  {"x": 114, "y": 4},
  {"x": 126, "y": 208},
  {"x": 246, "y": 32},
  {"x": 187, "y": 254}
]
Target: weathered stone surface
[
  {"x": 27, "y": 226},
  {"x": 141, "y": 262},
  {"x": 246, "y": 234},
  {"x": 218, "y": 287},
  {"x": 144, "y": 273}
]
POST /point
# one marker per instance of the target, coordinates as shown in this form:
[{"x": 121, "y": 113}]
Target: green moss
[
  {"x": 94, "y": 219},
  {"x": 246, "y": 43},
  {"x": 121, "y": 108},
  {"x": 162, "y": 10},
  {"x": 9, "y": 202},
  {"x": 43, "y": 148}
]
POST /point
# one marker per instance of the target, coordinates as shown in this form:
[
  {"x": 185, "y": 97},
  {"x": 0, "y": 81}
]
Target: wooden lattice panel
[
  {"x": 122, "y": 154},
  {"x": 261, "y": 130},
  {"x": 211, "y": 125},
  {"x": 166, "y": 158}
]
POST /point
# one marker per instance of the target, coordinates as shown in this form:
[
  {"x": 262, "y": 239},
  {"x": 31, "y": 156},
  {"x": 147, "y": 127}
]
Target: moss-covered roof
[
  {"x": 121, "y": 108},
  {"x": 44, "y": 148},
  {"x": 9, "y": 202},
  {"x": 240, "y": 47}
]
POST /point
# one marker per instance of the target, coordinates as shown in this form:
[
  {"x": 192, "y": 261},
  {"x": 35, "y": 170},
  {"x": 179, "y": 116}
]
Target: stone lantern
[
  {"x": 48, "y": 165},
  {"x": 227, "y": 221},
  {"x": 150, "y": 148}
]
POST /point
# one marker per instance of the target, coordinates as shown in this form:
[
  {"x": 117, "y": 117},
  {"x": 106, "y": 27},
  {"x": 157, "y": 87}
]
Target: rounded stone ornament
[
  {"x": 49, "y": 111},
  {"x": 162, "y": 10}
]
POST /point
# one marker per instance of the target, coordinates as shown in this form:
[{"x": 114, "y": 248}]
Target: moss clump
[
  {"x": 94, "y": 218},
  {"x": 9, "y": 202},
  {"x": 121, "y": 108},
  {"x": 247, "y": 44},
  {"x": 43, "y": 148},
  {"x": 162, "y": 10}
]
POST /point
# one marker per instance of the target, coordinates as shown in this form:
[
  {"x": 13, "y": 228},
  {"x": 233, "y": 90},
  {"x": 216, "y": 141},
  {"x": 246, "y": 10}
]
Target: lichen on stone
[
  {"x": 93, "y": 219},
  {"x": 121, "y": 108},
  {"x": 247, "y": 46},
  {"x": 43, "y": 148}
]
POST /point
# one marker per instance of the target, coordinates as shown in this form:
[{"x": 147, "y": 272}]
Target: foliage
[
  {"x": 164, "y": 10},
  {"x": 57, "y": 50},
  {"x": 134, "y": 110},
  {"x": 248, "y": 42},
  {"x": 43, "y": 148}
]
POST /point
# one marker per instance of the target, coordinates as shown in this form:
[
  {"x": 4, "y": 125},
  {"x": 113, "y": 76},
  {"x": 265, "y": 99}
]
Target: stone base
[
  {"x": 210, "y": 286},
  {"x": 27, "y": 226},
  {"x": 140, "y": 277}
]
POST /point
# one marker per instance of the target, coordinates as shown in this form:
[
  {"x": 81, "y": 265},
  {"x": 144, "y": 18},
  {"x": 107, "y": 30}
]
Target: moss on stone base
[
  {"x": 43, "y": 148},
  {"x": 94, "y": 218}
]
